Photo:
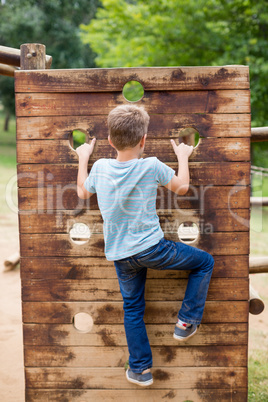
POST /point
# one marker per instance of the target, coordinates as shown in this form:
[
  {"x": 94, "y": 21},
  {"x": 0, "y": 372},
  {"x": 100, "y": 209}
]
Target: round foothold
[
  {"x": 83, "y": 322},
  {"x": 29, "y": 56}
]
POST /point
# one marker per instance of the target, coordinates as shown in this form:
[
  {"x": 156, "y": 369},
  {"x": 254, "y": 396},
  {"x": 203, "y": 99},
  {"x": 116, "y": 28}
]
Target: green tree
[
  {"x": 185, "y": 32},
  {"x": 189, "y": 33},
  {"x": 54, "y": 23},
  {"x": 7, "y": 97},
  {"x": 149, "y": 33}
]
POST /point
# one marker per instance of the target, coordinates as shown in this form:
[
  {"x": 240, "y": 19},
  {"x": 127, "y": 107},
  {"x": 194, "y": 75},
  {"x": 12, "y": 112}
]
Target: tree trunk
[{"x": 6, "y": 124}]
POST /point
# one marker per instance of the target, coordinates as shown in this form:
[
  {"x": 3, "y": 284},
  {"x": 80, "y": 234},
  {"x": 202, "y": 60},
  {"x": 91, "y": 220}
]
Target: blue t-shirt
[{"x": 126, "y": 193}]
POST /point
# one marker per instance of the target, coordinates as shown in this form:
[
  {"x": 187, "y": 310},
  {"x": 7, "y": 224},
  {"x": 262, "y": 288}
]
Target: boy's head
[{"x": 127, "y": 125}]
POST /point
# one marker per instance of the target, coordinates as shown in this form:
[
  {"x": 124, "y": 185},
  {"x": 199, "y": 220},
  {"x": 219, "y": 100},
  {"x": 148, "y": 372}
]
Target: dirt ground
[
  {"x": 11, "y": 350},
  {"x": 11, "y": 344}
]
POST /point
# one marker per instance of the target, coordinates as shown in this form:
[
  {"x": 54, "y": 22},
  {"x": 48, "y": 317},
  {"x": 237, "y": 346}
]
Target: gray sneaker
[
  {"x": 140, "y": 379},
  {"x": 183, "y": 334}
]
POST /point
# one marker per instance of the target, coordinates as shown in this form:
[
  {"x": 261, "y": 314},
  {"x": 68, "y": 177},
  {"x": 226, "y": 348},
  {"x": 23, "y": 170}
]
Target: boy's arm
[
  {"x": 179, "y": 184},
  {"x": 84, "y": 152}
]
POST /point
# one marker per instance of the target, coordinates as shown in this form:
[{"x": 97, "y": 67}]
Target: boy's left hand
[{"x": 85, "y": 150}]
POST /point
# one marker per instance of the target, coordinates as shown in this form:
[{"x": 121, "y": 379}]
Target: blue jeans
[{"x": 131, "y": 272}]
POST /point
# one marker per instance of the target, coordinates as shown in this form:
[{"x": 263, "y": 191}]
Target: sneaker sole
[
  {"x": 142, "y": 384},
  {"x": 183, "y": 338}
]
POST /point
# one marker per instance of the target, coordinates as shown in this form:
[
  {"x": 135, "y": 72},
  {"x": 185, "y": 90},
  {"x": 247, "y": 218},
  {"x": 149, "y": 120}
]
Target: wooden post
[
  {"x": 12, "y": 261},
  {"x": 259, "y": 134},
  {"x": 256, "y": 304},
  {"x": 258, "y": 265},
  {"x": 33, "y": 56},
  {"x": 259, "y": 201},
  {"x": 7, "y": 70},
  {"x": 11, "y": 57}
]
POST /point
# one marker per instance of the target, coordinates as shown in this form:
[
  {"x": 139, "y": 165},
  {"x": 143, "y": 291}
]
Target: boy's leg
[
  {"x": 132, "y": 285},
  {"x": 180, "y": 256},
  {"x": 200, "y": 264}
]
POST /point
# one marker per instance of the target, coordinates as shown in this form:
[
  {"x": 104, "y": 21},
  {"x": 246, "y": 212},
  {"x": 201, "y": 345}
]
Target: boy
[{"x": 126, "y": 188}]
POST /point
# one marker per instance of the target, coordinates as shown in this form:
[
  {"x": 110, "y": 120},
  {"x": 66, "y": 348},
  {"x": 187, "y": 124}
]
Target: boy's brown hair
[{"x": 127, "y": 125}]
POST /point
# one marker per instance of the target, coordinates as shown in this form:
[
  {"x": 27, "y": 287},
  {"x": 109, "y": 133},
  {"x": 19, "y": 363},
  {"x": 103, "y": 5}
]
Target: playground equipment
[{"x": 74, "y": 342}]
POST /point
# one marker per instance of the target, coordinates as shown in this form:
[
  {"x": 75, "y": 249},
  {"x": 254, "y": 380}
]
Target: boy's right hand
[{"x": 182, "y": 150}]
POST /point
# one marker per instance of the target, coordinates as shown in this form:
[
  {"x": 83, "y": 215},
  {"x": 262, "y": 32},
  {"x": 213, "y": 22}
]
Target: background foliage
[
  {"x": 54, "y": 23},
  {"x": 187, "y": 33},
  {"x": 148, "y": 33},
  {"x": 124, "y": 33}
]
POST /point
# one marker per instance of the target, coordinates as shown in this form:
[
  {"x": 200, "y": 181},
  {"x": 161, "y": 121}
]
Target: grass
[
  {"x": 259, "y": 217},
  {"x": 258, "y": 365},
  {"x": 259, "y": 186},
  {"x": 7, "y": 143},
  {"x": 8, "y": 191},
  {"x": 258, "y": 380},
  {"x": 7, "y": 165},
  {"x": 259, "y": 231}
]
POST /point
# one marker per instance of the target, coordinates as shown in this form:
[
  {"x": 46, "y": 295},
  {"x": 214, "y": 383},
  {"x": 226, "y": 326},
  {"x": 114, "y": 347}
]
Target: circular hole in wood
[
  {"x": 77, "y": 138},
  {"x": 83, "y": 322},
  {"x": 188, "y": 232},
  {"x": 80, "y": 233},
  {"x": 189, "y": 136},
  {"x": 133, "y": 91}
]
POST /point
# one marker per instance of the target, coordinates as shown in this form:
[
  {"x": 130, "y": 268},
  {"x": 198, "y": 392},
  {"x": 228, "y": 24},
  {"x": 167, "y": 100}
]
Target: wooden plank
[
  {"x": 115, "y": 356},
  {"x": 152, "y": 78},
  {"x": 221, "y": 243},
  {"x": 114, "y": 378},
  {"x": 81, "y": 104},
  {"x": 165, "y": 356},
  {"x": 208, "y": 149},
  {"x": 114, "y": 335},
  {"x": 52, "y": 245},
  {"x": 112, "y": 312},
  {"x": 223, "y": 220},
  {"x": 59, "y": 222},
  {"x": 108, "y": 289},
  {"x": 150, "y": 395},
  {"x": 64, "y": 197},
  {"x": 86, "y": 268},
  {"x": 161, "y": 126},
  {"x": 211, "y": 173}
]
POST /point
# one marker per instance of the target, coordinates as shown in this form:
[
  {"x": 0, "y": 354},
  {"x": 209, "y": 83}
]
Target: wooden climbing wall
[{"x": 61, "y": 279}]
